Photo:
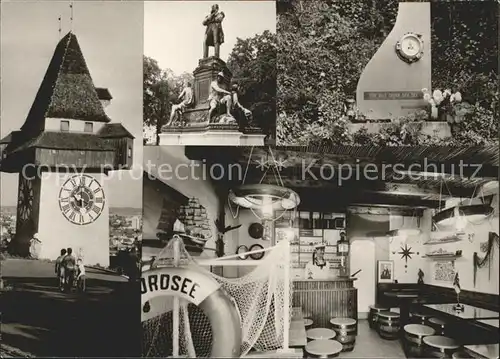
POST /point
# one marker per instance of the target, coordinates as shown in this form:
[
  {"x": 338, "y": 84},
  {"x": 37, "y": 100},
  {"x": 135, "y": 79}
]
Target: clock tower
[{"x": 64, "y": 153}]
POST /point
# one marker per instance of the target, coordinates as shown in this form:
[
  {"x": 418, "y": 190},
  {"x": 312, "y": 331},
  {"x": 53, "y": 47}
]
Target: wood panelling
[
  {"x": 436, "y": 294},
  {"x": 122, "y": 146},
  {"x": 75, "y": 159},
  {"x": 324, "y": 300}
]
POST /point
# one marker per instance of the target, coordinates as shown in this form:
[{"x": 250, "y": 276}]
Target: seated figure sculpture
[
  {"x": 218, "y": 97},
  {"x": 242, "y": 115},
  {"x": 187, "y": 99}
]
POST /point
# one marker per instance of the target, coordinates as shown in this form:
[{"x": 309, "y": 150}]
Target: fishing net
[{"x": 258, "y": 295}]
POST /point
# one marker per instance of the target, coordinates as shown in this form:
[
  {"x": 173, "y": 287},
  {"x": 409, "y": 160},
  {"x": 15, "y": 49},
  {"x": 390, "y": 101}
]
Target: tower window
[
  {"x": 130, "y": 152},
  {"x": 64, "y": 126},
  {"x": 89, "y": 127}
]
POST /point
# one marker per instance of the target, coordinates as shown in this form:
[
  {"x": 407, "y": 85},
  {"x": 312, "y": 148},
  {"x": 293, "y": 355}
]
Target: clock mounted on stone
[
  {"x": 410, "y": 48},
  {"x": 81, "y": 199}
]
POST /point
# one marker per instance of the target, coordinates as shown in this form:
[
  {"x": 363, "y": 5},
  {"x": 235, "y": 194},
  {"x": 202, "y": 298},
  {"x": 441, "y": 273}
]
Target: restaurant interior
[{"x": 321, "y": 252}]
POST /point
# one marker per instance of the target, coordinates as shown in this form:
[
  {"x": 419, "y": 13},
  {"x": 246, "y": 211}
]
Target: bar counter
[{"x": 326, "y": 298}]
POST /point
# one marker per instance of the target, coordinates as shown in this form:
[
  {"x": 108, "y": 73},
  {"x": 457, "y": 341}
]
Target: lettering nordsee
[
  {"x": 167, "y": 282},
  {"x": 189, "y": 284}
]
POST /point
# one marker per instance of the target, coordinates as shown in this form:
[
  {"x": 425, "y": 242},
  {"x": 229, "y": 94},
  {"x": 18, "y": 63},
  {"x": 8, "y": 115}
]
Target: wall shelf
[
  {"x": 447, "y": 240},
  {"x": 442, "y": 257}
]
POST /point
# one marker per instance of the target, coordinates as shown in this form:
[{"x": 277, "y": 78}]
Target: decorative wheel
[{"x": 25, "y": 199}]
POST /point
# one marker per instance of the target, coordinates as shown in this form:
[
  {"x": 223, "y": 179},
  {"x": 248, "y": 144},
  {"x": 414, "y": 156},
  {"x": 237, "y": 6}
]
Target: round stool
[
  {"x": 308, "y": 323},
  {"x": 345, "y": 328},
  {"x": 388, "y": 325},
  {"x": 437, "y": 346},
  {"x": 413, "y": 344},
  {"x": 419, "y": 318},
  {"x": 372, "y": 315},
  {"x": 320, "y": 334},
  {"x": 438, "y": 325},
  {"x": 322, "y": 348}
]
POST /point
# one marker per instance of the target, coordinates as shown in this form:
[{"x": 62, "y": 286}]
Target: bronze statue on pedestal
[{"x": 214, "y": 36}]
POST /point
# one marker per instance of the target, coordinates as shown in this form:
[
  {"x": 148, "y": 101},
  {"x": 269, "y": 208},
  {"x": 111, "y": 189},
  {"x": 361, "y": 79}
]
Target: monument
[
  {"x": 63, "y": 153},
  {"x": 210, "y": 112},
  {"x": 392, "y": 82}
]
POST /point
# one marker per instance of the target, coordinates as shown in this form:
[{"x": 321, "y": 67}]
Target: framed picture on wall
[{"x": 385, "y": 271}]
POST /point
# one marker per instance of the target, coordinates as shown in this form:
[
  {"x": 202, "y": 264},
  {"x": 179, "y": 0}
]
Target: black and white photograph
[
  {"x": 71, "y": 178},
  {"x": 209, "y": 72},
  {"x": 319, "y": 251},
  {"x": 385, "y": 271},
  {"x": 390, "y": 73},
  {"x": 250, "y": 179}
]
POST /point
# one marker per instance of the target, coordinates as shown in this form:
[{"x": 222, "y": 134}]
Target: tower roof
[
  {"x": 114, "y": 130},
  {"x": 67, "y": 89}
]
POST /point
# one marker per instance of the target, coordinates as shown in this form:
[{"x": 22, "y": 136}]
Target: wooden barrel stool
[
  {"x": 322, "y": 348},
  {"x": 413, "y": 339},
  {"x": 308, "y": 323},
  {"x": 438, "y": 325},
  {"x": 345, "y": 328},
  {"x": 461, "y": 355},
  {"x": 372, "y": 315},
  {"x": 320, "y": 334},
  {"x": 388, "y": 325},
  {"x": 419, "y": 318},
  {"x": 438, "y": 346}
]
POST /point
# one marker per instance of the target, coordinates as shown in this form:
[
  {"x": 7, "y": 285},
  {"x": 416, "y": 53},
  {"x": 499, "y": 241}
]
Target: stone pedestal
[
  {"x": 438, "y": 129},
  {"x": 204, "y": 74},
  {"x": 211, "y": 138},
  {"x": 195, "y": 128},
  {"x": 390, "y": 87}
]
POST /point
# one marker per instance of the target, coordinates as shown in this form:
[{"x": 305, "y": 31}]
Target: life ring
[{"x": 204, "y": 292}]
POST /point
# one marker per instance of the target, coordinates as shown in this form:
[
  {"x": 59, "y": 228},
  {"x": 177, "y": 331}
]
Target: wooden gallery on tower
[{"x": 63, "y": 154}]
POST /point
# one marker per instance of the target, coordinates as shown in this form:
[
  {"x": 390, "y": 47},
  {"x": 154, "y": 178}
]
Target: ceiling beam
[
  {"x": 328, "y": 200},
  {"x": 422, "y": 189},
  {"x": 397, "y": 211}
]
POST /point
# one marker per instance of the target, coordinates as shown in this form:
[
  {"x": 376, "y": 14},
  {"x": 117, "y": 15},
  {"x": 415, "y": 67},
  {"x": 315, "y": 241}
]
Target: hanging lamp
[
  {"x": 459, "y": 215},
  {"x": 265, "y": 199},
  {"x": 474, "y": 212}
]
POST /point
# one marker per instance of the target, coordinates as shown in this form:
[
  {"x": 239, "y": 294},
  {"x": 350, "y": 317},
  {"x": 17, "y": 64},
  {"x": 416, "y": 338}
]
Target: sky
[
  {"x": 110, "y": 34},
  {"x": 173, "y": 30}
]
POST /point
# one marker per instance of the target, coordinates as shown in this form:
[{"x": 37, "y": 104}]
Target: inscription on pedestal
[
  {"x": 203, "y": 87},
  {"x": 393, "y": 95}
]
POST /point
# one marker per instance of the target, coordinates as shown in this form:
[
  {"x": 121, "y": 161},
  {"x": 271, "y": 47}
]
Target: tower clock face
[
  {"x": 410, "y": 47},
  {"x": 81, "y": 199},
  {"x": 25, "y": 199}
]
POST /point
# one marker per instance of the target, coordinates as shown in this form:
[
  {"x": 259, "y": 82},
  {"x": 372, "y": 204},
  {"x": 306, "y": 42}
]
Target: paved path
[{"x": 38, "y": 319}]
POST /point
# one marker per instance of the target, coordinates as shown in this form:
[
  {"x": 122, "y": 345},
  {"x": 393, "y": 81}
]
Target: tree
[
  {"x": 324, "y": 46},
  {"x": 161, "y": 90},
  {"x": 253, "y": 63},
  {"x": 155, "y": 95}
]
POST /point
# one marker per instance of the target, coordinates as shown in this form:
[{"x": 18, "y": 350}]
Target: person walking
[
  {"x": 60, "y": 269},
  {"x": 69, "y": 265}
]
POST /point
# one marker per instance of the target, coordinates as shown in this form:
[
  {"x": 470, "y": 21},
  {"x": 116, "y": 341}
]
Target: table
[
  {"x": 469, "y": 312},
  {"x": 320, "y": 333},
  {"x": 297, "y": 336},
  {"x": 405, "y": 300},
  {"x": 489, "y": 351},
  {"x": 490, "y": 322}
]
